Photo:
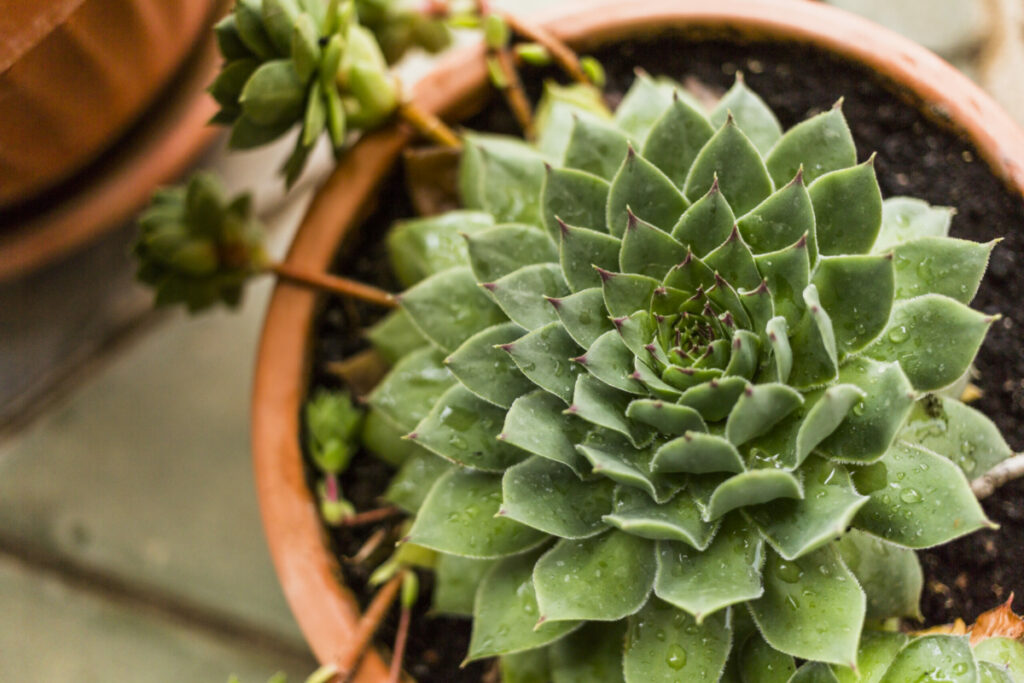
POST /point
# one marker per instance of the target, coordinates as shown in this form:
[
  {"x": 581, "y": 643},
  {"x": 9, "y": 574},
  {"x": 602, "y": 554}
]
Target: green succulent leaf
[
  {"x": 940, "y": 265},
  {"x": 933, "y": 337},
  {"x": 815, "y": 356},
  {"x": 706, "y": 224},
  {"x": 509, "y": 175},
  {"x": 604, "y": 578},
  {"x": 939, "y": 657},
  {"x": 545, "y": 356},
  {"x": 958, "y": 432},
  {"x": 592, "y": 654},
  {"x": 728, "y": 572},
  {"x": 395, "y": 336},
  {"x": 611, "y": 361},
  {"x": 423, "y": 247},
  {"x": 812, "y": 607},
  {"x": 557, "y": 112},
  {"x": 758, "y": 409},
  {"x": 759, "y": 662},
  {"x": 456, "y": 580},
  {"x": 814, "y": 672},
  {"x": 501, "y": 250},
  {"x": 664, "y": 644},
  {"x": 905, "y": 219},
  {"x": 752, "y": 488},
  {"x": 780, "y": 220},
  {"x": 857, "y": 293},
  {"x": 626, "y": 293},
  {"x": 820, "y": 145},
  {"x": 505, "y": 612},
  {"x": 730, "y": 159},
  {"x": 523, "y": 295},
  {"x": 871, "y": 425},
  {"x": 753, "y": 116},
  {"x": 889, "y": 574},
  {"x": 667, "y": 418},
  {"x": 715, "y": 399},
  {"x": 574, "y": 197},
  {"x": 549, "y": 496},
  {"x": 530, "y": 666},
  {"x": 924, "y": 499},
  {"x": 582, "y": 315},
  {"x": 697, "y": 453},
  {"x": 249, "y": 23},
  {"x": 462, "y": 427},
  {"x": 639, "y": 186},
  {"x": 449, "y": 308},
  {"x": 1005, "y": 653},
  {"x": 596, "y": 147},
  {"x": 460, "y": 517},
  {"x": 734, "y": 262},
  {"x": 537, "y": 423},
  {"x": 676, "y": 138},
  {"x": 644, "y": 104},
  {"x": 797, "y": 527},
  {"x": 580, "y": 250},
  {"x": 875, "y": 654},
  {"x": 274, "y": 94},
  {"x": 678, "y": 519},
  {"x": 414, "y": 479},
  {"x": 847, "y": 210},
  {"x": 483, "y": 368},
  {"x": 605, "y": 406},
  {"x": 648, "y": 250},
  {"x": 409, "y": 391},
  {"x": 229, "y": 41}
]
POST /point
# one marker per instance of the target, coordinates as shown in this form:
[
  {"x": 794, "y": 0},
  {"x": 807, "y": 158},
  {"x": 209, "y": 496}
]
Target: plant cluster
[
  {"x": 196, "y": 246},
  {"x": 313, "y": 63},
  {"x": 686, "y": 392}
]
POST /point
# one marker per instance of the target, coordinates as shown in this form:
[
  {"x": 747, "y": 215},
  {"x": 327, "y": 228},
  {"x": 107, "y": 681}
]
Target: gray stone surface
[
  {"x": 52, "y": 631},
  {"x": 145, "y": 472}
]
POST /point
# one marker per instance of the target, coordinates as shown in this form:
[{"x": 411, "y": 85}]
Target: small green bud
[
  {"x": 594, "y": 71},
  {"x": 533, "y": 54},
  {"x": 195, "y": 257},
  {"x": 496, "y": 32},
  {"x": 410, "y": 589}
]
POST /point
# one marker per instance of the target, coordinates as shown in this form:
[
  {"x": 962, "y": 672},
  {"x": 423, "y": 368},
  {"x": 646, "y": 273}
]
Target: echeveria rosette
[
  {"x": 198, "y": 247},
  {"x": 679, "y": 377},
  {"x": 301, "y": 62}
]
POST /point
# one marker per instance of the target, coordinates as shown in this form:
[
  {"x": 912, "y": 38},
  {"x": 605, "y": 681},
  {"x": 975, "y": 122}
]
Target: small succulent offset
[
  {"x": 333, "y": 423},
  {"x": 312, "y": 63},
  {"x": 196, "y": 246},
  {"x": 686, "y": 388}
]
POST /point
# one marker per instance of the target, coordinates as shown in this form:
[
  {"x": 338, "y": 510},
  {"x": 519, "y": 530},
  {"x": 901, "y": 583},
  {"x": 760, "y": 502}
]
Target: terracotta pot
[
  {"x": 75, "y": 73},
  {"x": 325, "y": 609}
]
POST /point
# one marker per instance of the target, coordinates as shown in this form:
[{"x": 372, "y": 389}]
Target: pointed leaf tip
[{"x": 606, "y": 275}]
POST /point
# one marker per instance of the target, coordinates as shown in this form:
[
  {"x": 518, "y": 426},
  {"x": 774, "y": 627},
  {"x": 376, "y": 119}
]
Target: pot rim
[{"x": 324, "y": 608}]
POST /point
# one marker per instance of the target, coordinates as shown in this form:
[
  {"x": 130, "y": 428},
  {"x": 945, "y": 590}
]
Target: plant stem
[
  {"x": 341, "y": 286},
  {"x": 428, "y": 125},
  {"x": 371, "y": 516},
  {"x": 560, "y": 52},
  {"x": 1005, "y": 472},
  {"x": 368, "y": 625},
  {"x": 513, "y": 91},
  {"x": 370, "y": 547},
  {"x": 395, "y": 673}
]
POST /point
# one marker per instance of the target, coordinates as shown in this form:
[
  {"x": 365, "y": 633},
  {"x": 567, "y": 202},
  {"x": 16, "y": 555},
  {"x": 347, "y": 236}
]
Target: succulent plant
[
  {"x": 333, "y": 423},
  {"x": 197, "y": 247},
  {"x": 679, "y": 391},
  {"x": 308, "y": 63}
]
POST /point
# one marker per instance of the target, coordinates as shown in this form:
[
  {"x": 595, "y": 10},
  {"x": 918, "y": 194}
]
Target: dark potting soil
[{"x": 916, "y": 157}]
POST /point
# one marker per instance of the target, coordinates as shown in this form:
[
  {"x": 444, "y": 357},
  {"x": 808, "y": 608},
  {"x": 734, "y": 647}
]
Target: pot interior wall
[{"x": 916, "y": 156}]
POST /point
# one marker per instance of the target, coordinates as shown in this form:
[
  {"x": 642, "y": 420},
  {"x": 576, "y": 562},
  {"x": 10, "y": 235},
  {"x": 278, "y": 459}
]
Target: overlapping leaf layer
[{"x": 669, "y": 383}]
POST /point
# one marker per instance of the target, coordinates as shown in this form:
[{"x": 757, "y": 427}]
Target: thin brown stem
[
  {"x": 512, "y": 89},
  {"x": 559, "y": 51},
  {"x": 370, "y": 547},
  {"x": 334, "y": 284},
  {"x": 368, "y": 625},
  {"x": 371, "y": 516},
  {"x": 404, "y": 620},
  {"x": 1003, "y": 473},
  {"x": 428, "y": 125}
]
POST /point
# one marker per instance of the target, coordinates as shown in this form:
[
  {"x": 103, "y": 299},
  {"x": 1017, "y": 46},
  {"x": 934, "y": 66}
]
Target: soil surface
[{"x": 916, "y": 157}]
